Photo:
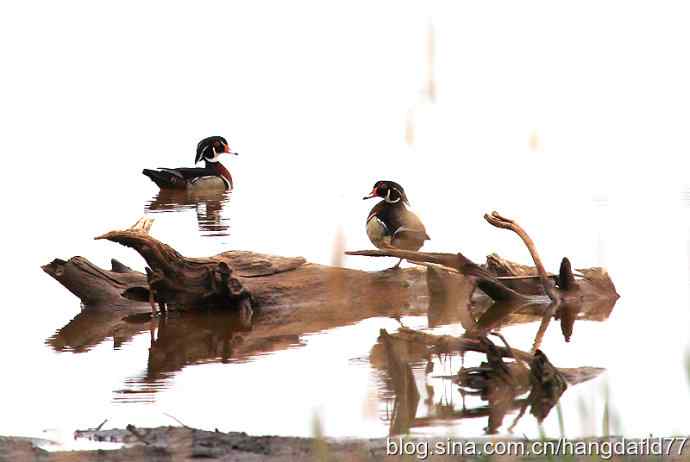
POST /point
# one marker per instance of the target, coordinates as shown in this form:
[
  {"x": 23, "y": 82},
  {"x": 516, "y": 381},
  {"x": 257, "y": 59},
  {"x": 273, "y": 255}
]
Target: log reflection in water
[
  {"x": 451, "y": 301},
  {"x": 208, "y": 206},
  {"x": 507, "y": 380},
  {"x": 93, "y": 326},
  {"x": 289, "y": 305},
  {"x": 180, "y": 339}
]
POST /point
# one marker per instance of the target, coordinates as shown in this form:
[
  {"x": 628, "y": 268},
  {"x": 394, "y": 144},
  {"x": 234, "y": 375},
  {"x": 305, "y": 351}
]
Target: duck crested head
[
  {"x": 211, "y": 148},
  {"x": 390, "y": 191}
]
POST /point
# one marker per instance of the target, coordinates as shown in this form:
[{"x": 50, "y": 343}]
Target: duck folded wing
[
  {"x": 407, "y": 223},
  {"x": 409, "y": 233},
  {"x": 408, "y": 239},
  {"x": 176, "y": 178},
  {"x": 190, "y": 172}
]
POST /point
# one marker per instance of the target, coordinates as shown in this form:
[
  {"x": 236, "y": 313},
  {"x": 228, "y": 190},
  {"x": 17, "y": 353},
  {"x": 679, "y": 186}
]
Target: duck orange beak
[
  {"x": 374, "y": 192},
  {"x": 228, "y": 151}
]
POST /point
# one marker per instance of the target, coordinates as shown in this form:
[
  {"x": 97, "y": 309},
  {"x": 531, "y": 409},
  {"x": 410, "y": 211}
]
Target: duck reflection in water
[{"x": 208, "y": 205}]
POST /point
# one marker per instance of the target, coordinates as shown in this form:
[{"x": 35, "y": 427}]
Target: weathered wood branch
[
  {"x": 92, "y": 284},
  {"x": 481, "y": 278},
  {"x": 174, "y": 279},
  {"x": 495, "y": 219}
]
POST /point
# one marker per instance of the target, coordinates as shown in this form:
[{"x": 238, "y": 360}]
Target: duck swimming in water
[
  {"x": 212, "y": 176},
  {"x": 390, "y": 224}
]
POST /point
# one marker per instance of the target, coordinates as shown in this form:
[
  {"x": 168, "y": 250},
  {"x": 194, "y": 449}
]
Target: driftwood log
[
  {"x": 289, "y": 298},
  {"x": 291, "y": 303},
  {"x": 292, "y": 297}
]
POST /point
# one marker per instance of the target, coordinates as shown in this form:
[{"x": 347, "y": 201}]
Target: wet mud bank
[{"x": 163, "y": 444}]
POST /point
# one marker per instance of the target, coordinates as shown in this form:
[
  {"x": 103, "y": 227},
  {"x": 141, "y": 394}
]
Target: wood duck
[
  {"x": 212, "y": 176},
  {"x": 390, "y": 224}
]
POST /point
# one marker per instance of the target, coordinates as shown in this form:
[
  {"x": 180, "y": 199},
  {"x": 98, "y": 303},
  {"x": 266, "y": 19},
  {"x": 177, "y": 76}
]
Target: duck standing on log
[
  {"x": 212, "y": 176},
  {"x": 390, "y": 225}
]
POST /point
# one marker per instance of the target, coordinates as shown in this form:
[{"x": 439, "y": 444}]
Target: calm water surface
[{"x": 65, "y": 369}]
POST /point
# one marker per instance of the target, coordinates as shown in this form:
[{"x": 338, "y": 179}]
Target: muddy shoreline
[{"x": 188, "y": 444}]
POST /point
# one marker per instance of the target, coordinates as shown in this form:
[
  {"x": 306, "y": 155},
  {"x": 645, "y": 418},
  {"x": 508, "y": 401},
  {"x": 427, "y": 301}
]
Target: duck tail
[{"x": 162, "y": 179}]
